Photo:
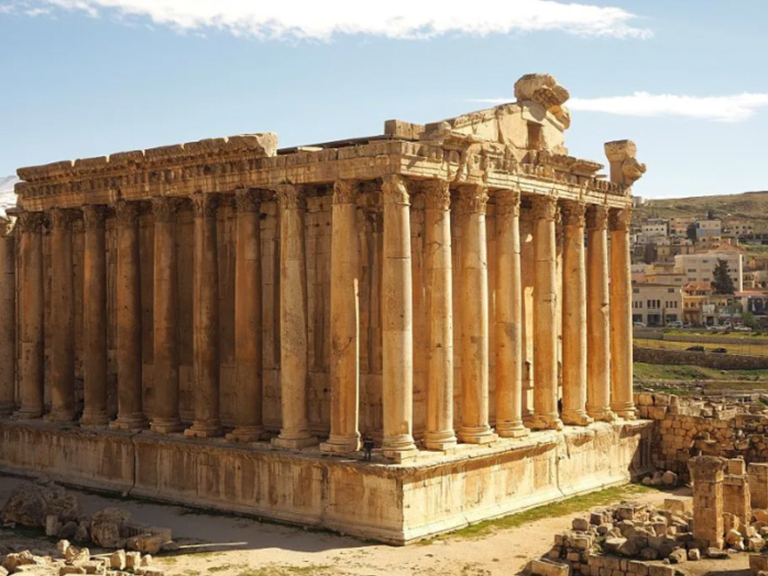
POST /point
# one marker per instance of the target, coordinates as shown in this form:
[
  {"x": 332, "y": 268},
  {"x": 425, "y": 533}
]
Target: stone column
[
  {"x": 345, "y": 327},
  {"x": 248, "y": 319},
  {"x": 622, "y": 401},
  {"x": 31, "y": 315},
  {"x": 165, "y": 416},
  {"x": 62, "y": 318},
  {"x": 397, "y": 321},
  {"x": 94, "y": 317},
  {"x": 508, "y": 320},
  {"x": 294, "y": 433},
  {"x": 7, "y": 319},
  {"x": 707, "y": 475},
  {"x": 130, "y": 411},
  {"x": 475, "y": 427},
  {"x": 736, "y": 495},
  {"x": 205, "y": 308},
  {"x": 598, "y": 344},
  {"x": 545, "y": 311},
  {"x": 439, "y": 434},
  {"x": 757, "y": 474},
  {"x": 574, "y": 322}
]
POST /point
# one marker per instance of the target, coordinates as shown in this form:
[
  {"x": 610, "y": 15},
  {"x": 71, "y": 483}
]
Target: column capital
[
  {"x": 289, "y": 197},
  {"x": 619, "y": 219},
  {"x": 394, "y": 190},
  {"x": 62, "y": 218},
  {"x": 165, "y": 208},
  {"x": 345, "y": 191},
  {"x": 597, "y": 217},
  {"x": 436, "y": 193},
  {"x": 473, "y": 199},
  {"x": 508, "y": 202},
  {"x": 127, "y": 213},
  {"x": 94, "y": 216},
  {"x": 573, "y": 212},
  {"x": 544, "y": 208},
  {"x": 204, "y": 205},
  {"x": 31, "y": 221}
]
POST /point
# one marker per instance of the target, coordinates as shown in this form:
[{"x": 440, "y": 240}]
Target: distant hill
[{"x": 746, "y": 206}]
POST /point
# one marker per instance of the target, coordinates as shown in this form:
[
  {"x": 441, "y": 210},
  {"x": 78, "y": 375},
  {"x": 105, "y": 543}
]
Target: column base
[
  {"x": 129, "y": 423},
  {"x": 94, "y": 419},
  {"x": 627, "y": 413},
  {"x": 441, "y": 441},
  {"x": 28, "y": 413},
  {"x": 546, "y": 422},
  {"x": 341, "y": 445},
  {"x": 166, "y": 426},
  {"x": 293, "y": 443},
  {"x": 399, "y": 448},
  {"x": 477, "y": 435},
  {"x": 211, "y": 429},
  {"x": 576, "y": 418},
  {"x": 511, "y": 429},
  {"x": 7, "y": 408},
  {"x": 59, "y": 417},
  {"x": 602, "y": 415},
  {"x": 246, "y": 434}
]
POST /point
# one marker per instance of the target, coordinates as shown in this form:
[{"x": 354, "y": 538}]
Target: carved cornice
[
  {"x": 436, "y": 193},
  {"x": 597, "y": 217},
  {"x": 165, "y": 208},
  {"x": 508, "y": 203},
  {"x": 126, "y": 212},
  {"x": 544, "y": 208},
  {"x": 204, "y": 205},
  {"x": 63, "y": 218},
  {"x": 394, "y": 190},
  {"x": 31, "y": 222},
  {"x": 573, "y": 213},
  {"x": 472, "y": 199},
  {"x": 290, "y": 197},
  {"x": 94, "y": 216},
  {"x": 619, "y": 219},
  {"x": 345, "y": 191},
  {"x": 248, "y": 201}
]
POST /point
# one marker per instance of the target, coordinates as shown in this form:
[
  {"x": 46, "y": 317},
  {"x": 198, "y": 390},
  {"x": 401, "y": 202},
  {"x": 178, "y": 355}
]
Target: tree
[
  {"x": 710, "y": 214},
  {"x": 749, "y": 320},
  {"x": 722, "y": 283},
  {"x": 690, "y": 232}
]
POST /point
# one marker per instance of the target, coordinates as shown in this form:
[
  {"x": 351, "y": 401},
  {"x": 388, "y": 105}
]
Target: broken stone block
[
  {"x": 755, "y": 544},
  {"x": 679, "y": 505},
  {"x": 106, "y": 527},
  {"x": 62, "y": 546},
  {"x": 669, "y": 478},
  {"x": 146, "y": 560},
  {"x": 65, "y": 507},
  {"x": 732, "y": 537},
  {"x": 604, "y": 528},
  {"x": 694, "y": 554},
  {"x": 614, "y": 544},
  {"x": 28, "y": 506},
  {"x": 758, "y": 563},
  {"x": 68, "y": 530},
  {"x": 581, "y": 524},
  {"x": 13, "y": 561},
  {"x": 81, "y": 535},
  {"x": 52, "y": 525},
  {"x": 649, "y": 554},
  {"x": 71, "y": 570},
  {"x": 544, "y": 567},
  {"x": 132, "y": 560},
  {"x": 678, "y": 556},
  {"x": 117, "y": 560}
]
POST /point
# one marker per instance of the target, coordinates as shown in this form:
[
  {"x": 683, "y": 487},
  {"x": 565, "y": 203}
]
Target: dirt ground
[{"x": 224, "y": 545}]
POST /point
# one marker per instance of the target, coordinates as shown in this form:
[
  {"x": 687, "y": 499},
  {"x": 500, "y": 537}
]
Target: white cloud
[
  {"x": 313, "y": 19},
  {"x": 733, "y": 108}
]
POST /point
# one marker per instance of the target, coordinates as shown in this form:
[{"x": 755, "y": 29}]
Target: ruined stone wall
[{"x": 716, "y": 361}]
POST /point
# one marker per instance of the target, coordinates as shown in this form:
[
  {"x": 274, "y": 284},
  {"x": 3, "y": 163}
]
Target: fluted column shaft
[
  {"x": 7, "y": 319},
  {"x": 248, "y": 319},
  {"x": 345, "y": 314},
  {"x": 508, "y": 318},
  {"x": 544, "y": 309},
  {"x": 94, "y": 317},
  {"x": 622, "y": 401},
  {"x": 295, "y": 432},
  {"x": 62, "y": 318},
  {"x": 205, "y": 305},
  {"x": 574, "y": 322},
  {"x": 165, "y": 416},
  {"x": 130, "y": 412},
  {"x": 440, "y": 433},
  {"x": 397, "y": 321},
  {"x": 598, "y": 344},
  {"x": 475, "y": 350}
]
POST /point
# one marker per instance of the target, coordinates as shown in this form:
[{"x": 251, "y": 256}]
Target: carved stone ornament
[
  {"x": 290, "y": 197},
  {"x": 94, "y": 216},
  {"x": 205, "y": 205},
  {"x": 508, "y": 203},
  {"x": 436, "y": 193},
  {"x": 473, "y": 199},
  {"x": 127, "y": 213},
  {"x": 165, "y": 208},
  {"x": 394, "y": 190},
  {"x": 597, "y": 217},
  {"x": 345, "y": 191},
  {"x": 544, "y": 208},
  {"x": 620, "y": 219},
  {"x": 248, "y": 200},
  {"x": 573, "y": 213},
  {"x": 32, "y": 222},
  {"x": 62, "y": 218}
]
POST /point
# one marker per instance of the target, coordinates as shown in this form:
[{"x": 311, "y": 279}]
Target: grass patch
[
  {"x": 688, "y": 372},
  {"x": 277, "y": 570},
  {"x": 221, "y": 568},
  {"x": 554, "y": 510}
]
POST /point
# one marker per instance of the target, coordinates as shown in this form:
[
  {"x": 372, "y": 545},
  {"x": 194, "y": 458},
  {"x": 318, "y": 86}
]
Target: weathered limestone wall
[
  {"x": 393, "y": 503},
  {"x": 716, "y": 361}
]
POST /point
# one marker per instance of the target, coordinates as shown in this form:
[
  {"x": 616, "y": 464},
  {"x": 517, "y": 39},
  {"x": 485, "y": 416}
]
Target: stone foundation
[{"x": 394, "y": 503}]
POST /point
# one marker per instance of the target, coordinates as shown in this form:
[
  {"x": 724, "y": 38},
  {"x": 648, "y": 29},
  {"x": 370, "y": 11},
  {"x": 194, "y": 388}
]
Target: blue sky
[{"x": 686, "y": 80}]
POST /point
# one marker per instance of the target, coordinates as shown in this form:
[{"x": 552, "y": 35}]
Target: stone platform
[{"x": 395, "y": 503}]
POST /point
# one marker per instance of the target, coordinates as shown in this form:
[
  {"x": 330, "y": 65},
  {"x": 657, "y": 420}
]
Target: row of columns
[{"x": 594, "y": 387}]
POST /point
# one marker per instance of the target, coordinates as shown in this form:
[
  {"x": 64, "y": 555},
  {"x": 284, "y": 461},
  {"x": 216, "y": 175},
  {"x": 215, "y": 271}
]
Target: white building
[
  {"x": 656, "y": 304},
  {"x": 655, "y": 227},
  {"x": 700, "y": 267}
]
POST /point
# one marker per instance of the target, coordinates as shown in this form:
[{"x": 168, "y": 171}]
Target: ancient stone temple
[{"x": 220, "y": 323}]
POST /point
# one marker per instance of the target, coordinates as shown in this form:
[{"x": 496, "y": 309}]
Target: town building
[
  {"x": 656, "y": 304},
  {"x": 708, "y": 232},
  {"x": 679, "y": 226},
  {"x": 700, "y": 267}
]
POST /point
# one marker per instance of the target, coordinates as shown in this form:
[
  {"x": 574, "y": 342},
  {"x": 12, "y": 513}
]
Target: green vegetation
[
  {"x": 277, "y": 570},
  {"x": 746, "y": 349},
  {"x": 675, "y": 372},
  {"x": 722, "y": 282},
  {"x": 751, "y": 206}
]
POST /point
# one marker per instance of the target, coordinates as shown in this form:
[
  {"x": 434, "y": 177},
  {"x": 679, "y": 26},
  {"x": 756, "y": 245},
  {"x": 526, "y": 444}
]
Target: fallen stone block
[
  {"x": 132, "y": 560},
  {"x": 694, "y": 554},
  {"x": 117, "y": 560},
  {"x": 544, "y": 567},
  {"x": 758, "y": 563},
  {"x": 581, "y": 524},
  {"x": 678, "y": 556}
]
